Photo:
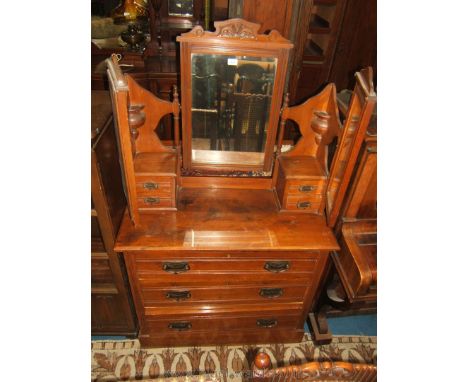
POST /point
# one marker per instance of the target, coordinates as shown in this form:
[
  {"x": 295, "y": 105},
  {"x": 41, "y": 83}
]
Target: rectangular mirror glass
[
  {"x": 231, "y": 99},
  {"x": 181, "y": 8}
]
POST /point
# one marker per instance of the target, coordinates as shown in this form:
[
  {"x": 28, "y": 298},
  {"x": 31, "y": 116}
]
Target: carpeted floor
[{"x": 125, "y": 361}]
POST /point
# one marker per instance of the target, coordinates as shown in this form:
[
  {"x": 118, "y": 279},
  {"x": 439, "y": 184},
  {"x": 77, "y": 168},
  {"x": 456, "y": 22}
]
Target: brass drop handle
[
  {"x": 267, "y": 323},
  {"x": 271, "y": 292},
  {"x": 152, "y": 200},
  {"x": 180, "y": 326},
  {"x": 150, "y": 186},
  {"x": 307, "y": 188},
  {"x": 276, "y": 266},
  {"x": 178, "y": 267},
  {"x": 178, "y": 295},
  {"x": 303, "y": 205}
]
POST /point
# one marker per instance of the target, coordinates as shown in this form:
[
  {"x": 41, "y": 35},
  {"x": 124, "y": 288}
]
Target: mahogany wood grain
[
  {"x": 234, "y": 217},
  {"x": 234, "y": 337}
]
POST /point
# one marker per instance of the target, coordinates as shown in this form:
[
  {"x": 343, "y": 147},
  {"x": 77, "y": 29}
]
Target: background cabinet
[
  {"x": 111, "y": 306},
  {"x": 333, "y": 40}
]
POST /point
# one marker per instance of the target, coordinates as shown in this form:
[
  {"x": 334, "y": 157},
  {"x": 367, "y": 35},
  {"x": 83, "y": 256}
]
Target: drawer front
[
  {"x": 307, "y": 203},
  {"x": 188, "y": 295},
  {"x": 100, "y": 269},
  {"x": 154, "y": 202},
  {"x": 179, "y": 267},
  {"x": 162, "y": 186},
  {"x": 305, "y": 187},
  {"x": 194, "y": 323}
]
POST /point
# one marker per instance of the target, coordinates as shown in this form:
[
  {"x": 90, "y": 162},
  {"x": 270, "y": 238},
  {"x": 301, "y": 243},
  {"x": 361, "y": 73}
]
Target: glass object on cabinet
[{"x": 180, "y": 8}]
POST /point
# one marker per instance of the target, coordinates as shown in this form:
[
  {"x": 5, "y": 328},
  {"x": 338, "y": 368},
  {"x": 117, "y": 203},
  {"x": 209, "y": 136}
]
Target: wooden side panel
[{"x": 270, "y": 14}]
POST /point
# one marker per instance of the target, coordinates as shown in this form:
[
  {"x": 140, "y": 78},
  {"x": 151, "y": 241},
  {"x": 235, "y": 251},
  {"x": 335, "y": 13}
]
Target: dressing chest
[{"x": 225, "y": 236}]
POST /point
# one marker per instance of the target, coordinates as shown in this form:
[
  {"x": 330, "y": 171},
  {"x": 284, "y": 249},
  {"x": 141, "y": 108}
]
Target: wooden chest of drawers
[{"x": 218, "y": 272}]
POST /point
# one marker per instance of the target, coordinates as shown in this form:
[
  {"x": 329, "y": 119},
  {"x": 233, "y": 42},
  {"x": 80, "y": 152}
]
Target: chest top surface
[{"x": 225, "y": 219}]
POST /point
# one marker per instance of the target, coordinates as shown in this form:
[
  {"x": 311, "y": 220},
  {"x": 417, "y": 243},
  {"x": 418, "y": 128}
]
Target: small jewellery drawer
[
  {"x": 258, "y": 321},
  {"x": 310, "y": 203},
  {"x": 183, "y": 295},
  {"x": 155, "y": 186},
  {"x": 305, "y": 187},
  {"x": 151, "y": 202}
]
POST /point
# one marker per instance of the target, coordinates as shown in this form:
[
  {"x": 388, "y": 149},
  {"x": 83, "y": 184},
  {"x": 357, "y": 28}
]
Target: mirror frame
[{"x": 235, "y": 37}]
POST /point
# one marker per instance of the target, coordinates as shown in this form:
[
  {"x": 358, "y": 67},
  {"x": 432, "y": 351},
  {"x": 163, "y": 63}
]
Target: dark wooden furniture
[
  {"x": 333, "y": 39},
  {"x": 212, "y": 256},
  {"x": 262, "y": 371},
  {"x": 356, "y": 262},
  {"x": 111, "y": 306},
  {"x": 353, "y": 189}
]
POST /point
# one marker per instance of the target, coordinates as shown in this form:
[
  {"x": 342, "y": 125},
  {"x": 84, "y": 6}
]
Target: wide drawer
[
  {"x": 188, "y": 295},
  {"x": 154, "y": 185},
  {"x": 262, "y": 320},
  {"x": 223, "y": 266},
  {"x": 211, "y": 337}
]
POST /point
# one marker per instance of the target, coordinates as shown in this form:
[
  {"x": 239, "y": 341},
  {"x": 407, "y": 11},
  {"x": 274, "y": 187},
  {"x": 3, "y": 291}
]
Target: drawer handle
[
  {"x": 178, "y": 267},
  {"x": 267, "y": 323},
  {"x": 307, "y": 188},
  {"x": 277, "y": 266},
  {"x": 178, "y": 295},
  {"x": 152, "y": 200},
  {"x": 271, "y": 292},
  {"x": 303, "y": 205},
  {"x": 180, "y": 325},
  {"x": 150, "y": 186}
]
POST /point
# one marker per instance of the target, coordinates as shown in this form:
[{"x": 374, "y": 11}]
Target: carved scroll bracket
[{"x": 237, "y": 28}]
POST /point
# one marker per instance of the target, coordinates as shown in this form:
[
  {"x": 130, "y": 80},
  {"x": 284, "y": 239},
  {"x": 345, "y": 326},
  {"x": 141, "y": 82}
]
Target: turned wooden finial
[
  {"x": 285, "y": 101},
  {"x": 136, "y": 119},
  {"x": 176, "y": 111},
  {"x": 319, "y": 125},
  {"x": 262, "y": 361},
  {"x": 175, "y": 94},
  {"x": 282, "y": 124}
]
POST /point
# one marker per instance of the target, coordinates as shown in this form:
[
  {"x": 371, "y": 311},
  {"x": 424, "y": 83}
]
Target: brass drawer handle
[
  {"x": 303, "y": 205},
  {"x": 178, "y": 295},
  {"x": 276, "y": 266},
  {"x": 150, "y": 186},
  {"x": 271, "y": 292},
  {"x": 307, "y": 188},
  {"x": 175, "y": 268},
  {"x": 267, "y": 323},
  {"x": 152, "y": 200},
  {"x": 180, "y": 325}
]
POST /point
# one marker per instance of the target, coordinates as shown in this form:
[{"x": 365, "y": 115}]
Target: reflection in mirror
[
  {"x": 231, "y": 98},
  {"x": 181, "y": 8}
]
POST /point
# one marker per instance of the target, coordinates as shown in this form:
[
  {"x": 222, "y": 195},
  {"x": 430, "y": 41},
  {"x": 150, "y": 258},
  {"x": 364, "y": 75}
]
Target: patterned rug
[{"x": 125, "y": 361}]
